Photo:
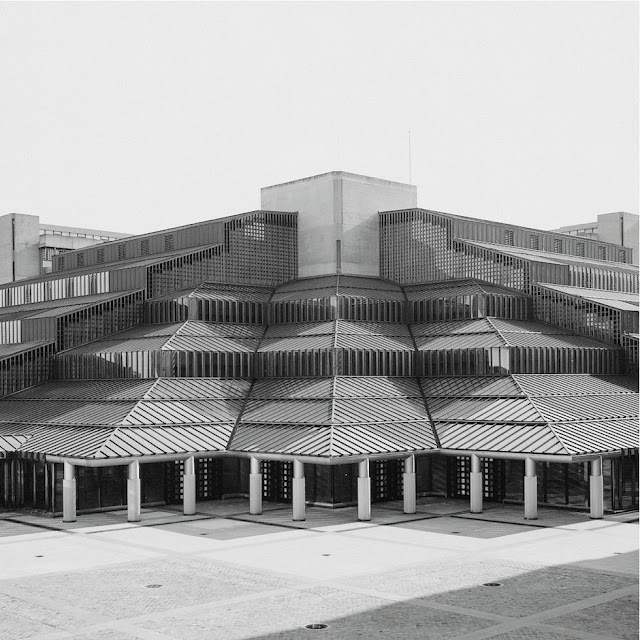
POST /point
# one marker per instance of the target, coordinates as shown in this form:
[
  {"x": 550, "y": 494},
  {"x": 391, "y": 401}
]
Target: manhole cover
[
  {"x": 39, "y": 556},
  {"x": 153, "y": 586},
  {"x": 316, "y": 626},
  {"x": 326, "y": 554},
  {"x": 492, "y": 584}
]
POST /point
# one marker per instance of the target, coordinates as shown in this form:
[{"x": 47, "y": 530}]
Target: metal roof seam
[{"x": 239, "y": 417}]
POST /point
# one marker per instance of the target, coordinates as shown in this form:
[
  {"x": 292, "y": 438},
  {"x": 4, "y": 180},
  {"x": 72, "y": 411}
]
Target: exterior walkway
[{"x": 227, "y": 575}]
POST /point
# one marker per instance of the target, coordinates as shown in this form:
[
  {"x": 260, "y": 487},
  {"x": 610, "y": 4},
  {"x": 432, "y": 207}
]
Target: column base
[
  {"x": 255, "y": 494},
  {"x": 409, "y": 489},
  {"x": 596, "y": 510},
  {"x": 189, "y": 494},
  {"x": 133, "y": 500},
  {"x": 298, "y": 499},
  {"x": 531, "y": 497},
  {"x": 475, "y": 491},
  {"x": 69, "y": 500},
  {"x": 364, "y": 499}
]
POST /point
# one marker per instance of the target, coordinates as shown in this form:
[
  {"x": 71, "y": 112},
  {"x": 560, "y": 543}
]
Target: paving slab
[{"x": 226, "y": 575}]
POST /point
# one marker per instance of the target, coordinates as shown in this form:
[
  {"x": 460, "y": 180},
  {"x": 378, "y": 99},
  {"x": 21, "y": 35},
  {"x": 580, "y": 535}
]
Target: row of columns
[
  {"x": 134, "y": 493},
  {"x": 476, "y": 489},
  {"x": 364, "y": 489},
  {"x": 596, "y": 487}
]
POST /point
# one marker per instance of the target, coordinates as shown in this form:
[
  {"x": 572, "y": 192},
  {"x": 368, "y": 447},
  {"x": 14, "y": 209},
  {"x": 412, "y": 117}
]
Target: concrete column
[
  {"x": 69, "y": 493},
  {"x": 409, "y": 484},
  {"x": 475, "y": 485},
  {"x": 133, "y": 492},
  {"x": 596, "y": 490},
  {"x": 298, "y": 491},
  {"x": 255, "y": 488},
  {"x": 364, "y": 491},
  {"x": 189, "y": 487},
  {"x": 530, "y": 490}
]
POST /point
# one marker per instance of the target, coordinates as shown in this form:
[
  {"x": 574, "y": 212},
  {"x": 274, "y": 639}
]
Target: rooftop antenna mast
[{"x": 409, "y": 156}]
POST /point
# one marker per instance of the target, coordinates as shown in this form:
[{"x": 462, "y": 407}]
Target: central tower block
[{"x": 338, "y": 219}]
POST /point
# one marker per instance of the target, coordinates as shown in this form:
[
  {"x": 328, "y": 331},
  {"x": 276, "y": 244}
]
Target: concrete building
[
  {"x": 617, "y": 228},
  {"x": 377, "y": 355},
  {"x": 27, "y": 246}
]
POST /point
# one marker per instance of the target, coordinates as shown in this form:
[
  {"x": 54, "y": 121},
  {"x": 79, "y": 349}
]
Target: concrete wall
[
  {"x": 19, "y": 246},
  {"x": 338, "y": 206},
  {"x": 620, "y": 228}
]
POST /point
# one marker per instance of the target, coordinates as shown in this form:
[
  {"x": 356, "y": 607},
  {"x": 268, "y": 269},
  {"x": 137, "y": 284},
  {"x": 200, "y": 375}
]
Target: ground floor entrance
[{"x": 38, "y": 485}]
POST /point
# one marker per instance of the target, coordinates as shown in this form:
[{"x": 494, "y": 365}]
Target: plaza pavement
[{"x": 227, "y": 575}]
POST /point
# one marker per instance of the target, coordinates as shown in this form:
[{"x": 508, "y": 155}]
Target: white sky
[{"x": 133, "y": 117}]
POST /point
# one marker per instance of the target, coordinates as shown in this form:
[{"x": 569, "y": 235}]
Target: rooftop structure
[
  {"x": 619, "y": 228},
  {"x": 27, "y": 246},
  {"x": 459, "y": 357}
]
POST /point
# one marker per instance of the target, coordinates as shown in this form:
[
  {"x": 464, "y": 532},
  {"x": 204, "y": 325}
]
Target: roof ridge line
[
  {"x": 497, "y": 330},
  {"x": 238, "y": 419},
  {"x": 150, "y": 389},
  {"x": 333, "y": 407}
]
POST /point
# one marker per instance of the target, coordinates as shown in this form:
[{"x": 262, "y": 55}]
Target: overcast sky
[{"x": 133, "y": 117}]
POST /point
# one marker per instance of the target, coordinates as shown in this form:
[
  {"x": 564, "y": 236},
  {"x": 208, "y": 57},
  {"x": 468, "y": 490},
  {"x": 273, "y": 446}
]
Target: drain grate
[
  {"x": 492, "y": 584},
  {"x": 153, "y": 586},
  {"x": 316, "y": 626}
]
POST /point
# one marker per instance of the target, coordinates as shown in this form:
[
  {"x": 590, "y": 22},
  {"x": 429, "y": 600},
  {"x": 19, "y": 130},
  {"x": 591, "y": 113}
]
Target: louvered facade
[{"x": 195, "y": 360}]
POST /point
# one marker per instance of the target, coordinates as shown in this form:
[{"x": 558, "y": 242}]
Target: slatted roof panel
[
  {"x": 310, "y": 440},
  {"x": 376, "y": 387},
  {"x": 289, "y": 411},
  {"x": 150, "y": 412},
  {"x": 452, "y": 327},
  {"x": 484, "y": 409},
  {"x": 463, "y": 341},
  {"x": 301, "y": 343},
  {"x": 363, "y": 282},
  {"x": 10, "y": 443},
  {"x": 223, "y": 291},
  {"x": 456, "y": 288},
  {"x": 119, "y": 346},
  {"x": 588, "y": 407},
  {"x": 9, "y": 350},
  {"x": 65, "y": 412},
  {"x": 314, "y": 282},
  {"x": 353, "y": 327},
  {"x": 71, "y": 441},
  {"x": 439, "y": 290},
  {"x": 556, "y": 258},
  {"x": 37, "y": 308},
  {"x": 144, "y": 331},
  {"x": 507, "y": 438},
  {"x": 302, "y": 294},
  {"x": 472, "y": 386},
  {"x": 86, "y": 390},
  {"x": 514, "y": 339},
  {"x": 220, "y": 330},
  {"x": 197, "y": 388},
  {"x": 119, "y": 442},
  {"x": 382, "y": 438},
  {"x": 574, "y": 384},
  {"x": 300, "y": 329},
  {"x": 615, "y": 299},
  {"x": 366, "y": 410},
  {"x": 137, "y": 441},
  {"x": 598, "y": 437},
  {"x": 371, "y": 294},
  {"x": 206, "y": 343},
  {"x": 276, "y": 388},
  {"x": 525, "y": 326},
  {"x": 373, "y": 342}
]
